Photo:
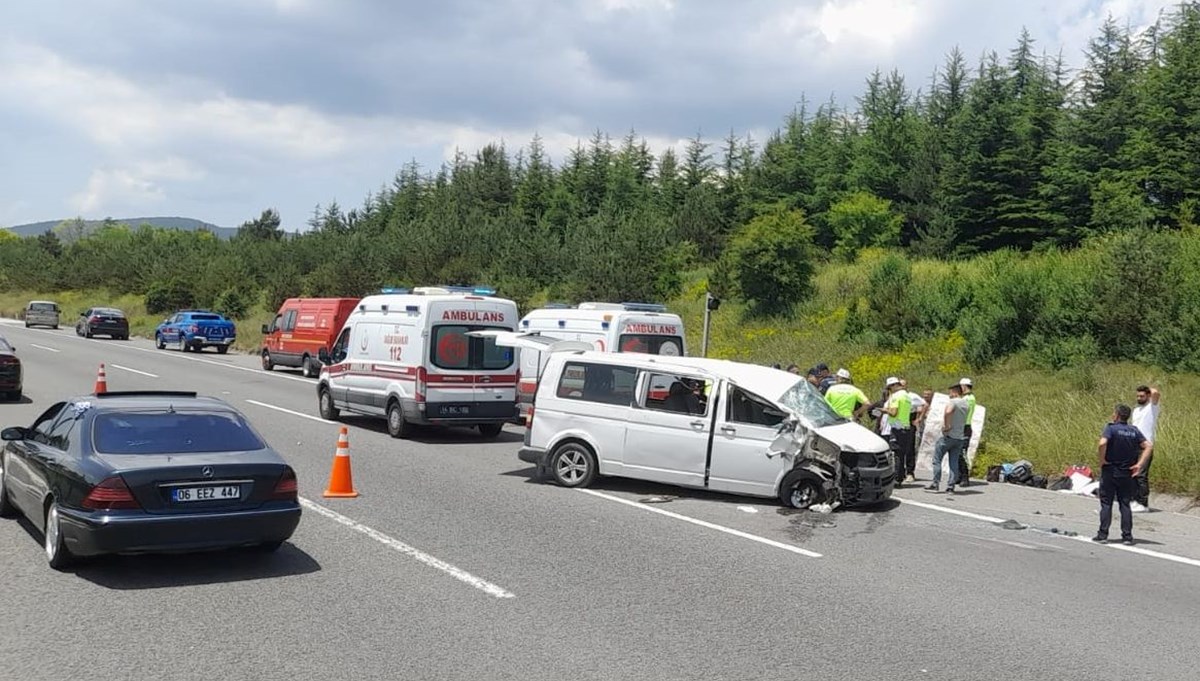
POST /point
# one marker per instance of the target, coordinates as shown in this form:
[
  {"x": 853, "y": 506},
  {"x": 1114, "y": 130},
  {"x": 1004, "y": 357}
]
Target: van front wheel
[
  {"x": 573, "y": 465},
  {"x": 799, "y": 492}
]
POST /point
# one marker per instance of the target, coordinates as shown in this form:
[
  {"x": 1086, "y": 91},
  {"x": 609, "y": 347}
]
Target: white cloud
[
  {"x": 875, "y": 22},
  {"x": 113, "y": 189}
]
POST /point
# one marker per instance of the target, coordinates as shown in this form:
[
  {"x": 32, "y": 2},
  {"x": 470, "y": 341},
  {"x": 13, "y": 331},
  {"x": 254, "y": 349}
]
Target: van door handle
[
  {"x": 697, "y": 424},
  {"x": 729, "y": 430}
]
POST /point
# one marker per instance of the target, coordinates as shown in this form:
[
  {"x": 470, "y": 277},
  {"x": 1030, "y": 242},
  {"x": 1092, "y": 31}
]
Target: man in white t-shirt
[{"x": 1145, "y": 419}]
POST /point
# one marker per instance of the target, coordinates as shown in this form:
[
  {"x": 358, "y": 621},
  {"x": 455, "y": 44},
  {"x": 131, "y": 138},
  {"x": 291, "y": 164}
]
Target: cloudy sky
[{"x": 216, "y": 109}]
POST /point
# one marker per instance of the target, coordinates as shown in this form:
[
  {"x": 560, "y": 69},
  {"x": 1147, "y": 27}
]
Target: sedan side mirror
[{"x": 13, "y": 434}]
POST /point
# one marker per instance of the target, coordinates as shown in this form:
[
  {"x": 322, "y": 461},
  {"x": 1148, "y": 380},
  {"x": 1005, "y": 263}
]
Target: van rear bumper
[
  {"x": 533, "y": 455},
  {"x": 460, "y": 413}
]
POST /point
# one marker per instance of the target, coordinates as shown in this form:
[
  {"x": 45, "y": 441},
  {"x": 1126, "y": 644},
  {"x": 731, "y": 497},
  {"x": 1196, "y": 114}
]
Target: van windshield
[
  {"x": 804, "y": 399},
  {"x": 452, "y": 348},
  {"x": 671, "y": 346}
]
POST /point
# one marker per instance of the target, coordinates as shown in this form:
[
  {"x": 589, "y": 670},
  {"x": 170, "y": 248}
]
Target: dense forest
[{"x": 1003, "y": 158}]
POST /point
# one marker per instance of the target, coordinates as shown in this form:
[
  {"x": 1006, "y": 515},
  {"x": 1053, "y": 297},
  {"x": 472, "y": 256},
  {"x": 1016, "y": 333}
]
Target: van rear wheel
[
  {"x": 309, "y": 368},
  {"x": 490, "y": 430},
  {"x": 573, "y": 464},
  {"x": 397, "y": 426}
]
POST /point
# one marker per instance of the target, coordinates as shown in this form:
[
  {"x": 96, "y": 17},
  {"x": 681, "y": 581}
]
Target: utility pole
[{"x": 711, "y": 303}]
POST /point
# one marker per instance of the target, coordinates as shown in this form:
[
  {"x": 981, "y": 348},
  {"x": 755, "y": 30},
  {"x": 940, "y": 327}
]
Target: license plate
[
  {"x": 211, "y": 493},
  {"x": 455, "y": 410}
]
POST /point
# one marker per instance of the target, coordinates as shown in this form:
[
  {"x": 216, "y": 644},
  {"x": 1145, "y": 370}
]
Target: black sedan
[
  {"x": 10, "y": 371},
  {"x": 103, "y": 321},
  {"x": 143, "y": 472}
]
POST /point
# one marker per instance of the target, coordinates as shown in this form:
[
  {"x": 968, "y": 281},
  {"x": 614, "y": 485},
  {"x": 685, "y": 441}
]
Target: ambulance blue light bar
[
  {"x": 473, "y": 290},
  {"x": 644, "y": 307},
  {"x": 395, "y": 290}
]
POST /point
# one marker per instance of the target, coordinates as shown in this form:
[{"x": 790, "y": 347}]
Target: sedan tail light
[
  {"x": 111, "y": 494},
  {"x": 286, "y": 489},
  {"x": 93, "y": 319}
]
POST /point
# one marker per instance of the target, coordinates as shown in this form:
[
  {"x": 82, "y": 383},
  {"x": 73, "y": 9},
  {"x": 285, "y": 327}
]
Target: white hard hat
[
  {"x": 892, "y": 380},
  {"x": 966, "y": 382},
  {"x": 844, "y": 373}
]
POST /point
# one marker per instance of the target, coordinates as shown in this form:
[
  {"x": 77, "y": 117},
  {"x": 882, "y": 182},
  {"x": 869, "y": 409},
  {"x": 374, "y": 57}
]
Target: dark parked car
[
  {"x": 143, "y": 472},
  {"x": 10, "y": 371},
  {"x": 103, "y": 321}
]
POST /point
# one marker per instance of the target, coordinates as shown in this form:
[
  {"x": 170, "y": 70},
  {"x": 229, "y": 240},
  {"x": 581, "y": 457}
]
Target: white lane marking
[
  {"x": 43, "y": 347},
  {"x": 395, "y": 544},
  {"x": 133, "y": 371},
  {"x": 952, "y": 511},
  {"x": 1119, "y": 547},
  {"x": 302, "y": 415},
  {"x": 177, "y": 355},
  {"x": 704, "y": 523}
]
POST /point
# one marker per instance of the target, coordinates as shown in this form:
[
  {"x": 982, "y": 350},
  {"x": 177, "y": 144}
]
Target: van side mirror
[
  {"x": 266, "y": 328},
  {"x": 13, "y": 434},
  {"x": 323, "y": 355}
]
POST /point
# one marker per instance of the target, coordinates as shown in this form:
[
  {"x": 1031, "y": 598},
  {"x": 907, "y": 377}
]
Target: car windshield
[
  {"x": 804, "y": 399},
  {"x": 172, "y": 433}
]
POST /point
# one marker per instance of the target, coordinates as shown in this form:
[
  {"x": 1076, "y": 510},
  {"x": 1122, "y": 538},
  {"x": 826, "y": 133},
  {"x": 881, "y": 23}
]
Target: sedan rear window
[
  {"x": 44, "y": 307},
  {"x": 4, "y": 346},
  {"x": 172, "y": 433},
  {"x": 206, "y": 317}
]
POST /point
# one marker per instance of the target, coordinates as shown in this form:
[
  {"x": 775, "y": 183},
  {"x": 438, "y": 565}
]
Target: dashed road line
[
  {"x": 43, "y": 347},
  {"x": 301, "y": 414},
  {"x": 133, "y": 371},
  {"x": 397, "y": 545},
  {"x": 706, "y": 524}
]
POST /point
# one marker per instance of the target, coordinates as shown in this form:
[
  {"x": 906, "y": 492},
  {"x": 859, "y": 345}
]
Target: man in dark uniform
[{"x": 1123, "y": 453}]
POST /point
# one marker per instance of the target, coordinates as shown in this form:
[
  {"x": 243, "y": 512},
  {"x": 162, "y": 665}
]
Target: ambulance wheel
[
  {"x": 799, "y": 491},
  {"x": 267, "y": 364},
  {"x": 573, "y": 464},
  {"x": 329, "y": 412},
  {"x": 490, "y": 430},
  {"x": 309, "y": 368},
  {"x": 397, "y": 426}
]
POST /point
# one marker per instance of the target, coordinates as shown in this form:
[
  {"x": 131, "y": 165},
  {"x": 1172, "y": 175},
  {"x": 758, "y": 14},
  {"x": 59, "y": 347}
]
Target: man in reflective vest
[
  {"x": 845, "y": 399},
  {"x": 964, "y": 464},
  {"x": 898, "y": 409}
]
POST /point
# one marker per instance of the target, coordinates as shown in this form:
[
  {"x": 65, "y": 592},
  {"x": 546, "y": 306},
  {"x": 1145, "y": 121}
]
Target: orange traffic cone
[
  {"x": 101, "y": 382},
  {"x": 341, "y": 483}
]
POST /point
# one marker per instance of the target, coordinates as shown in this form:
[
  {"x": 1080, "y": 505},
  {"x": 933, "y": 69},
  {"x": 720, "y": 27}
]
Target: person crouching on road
[
  {"x": 898, "y": 410},
  {"x": 845, "y": 399},
  {"x": 953, "y": 440},
  {"x": 1123, "y": 453}
]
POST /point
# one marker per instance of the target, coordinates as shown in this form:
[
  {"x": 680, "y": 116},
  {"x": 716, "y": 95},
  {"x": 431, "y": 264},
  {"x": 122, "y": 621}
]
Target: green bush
[
  {"x": 168, "y": 296},
  {"x": 770, "y": 260},
  {"x": 863, "y": 219}
]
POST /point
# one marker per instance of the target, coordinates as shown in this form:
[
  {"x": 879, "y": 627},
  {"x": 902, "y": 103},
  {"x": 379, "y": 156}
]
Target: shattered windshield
[{"x": 804, "y": 399}]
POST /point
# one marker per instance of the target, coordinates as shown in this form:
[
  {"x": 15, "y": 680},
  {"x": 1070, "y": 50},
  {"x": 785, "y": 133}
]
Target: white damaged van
[{"x": 721, "y": 426}]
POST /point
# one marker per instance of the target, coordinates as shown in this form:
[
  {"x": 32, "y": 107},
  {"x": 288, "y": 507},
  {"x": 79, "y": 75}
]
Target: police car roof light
[{"x": 644, "y": 307}]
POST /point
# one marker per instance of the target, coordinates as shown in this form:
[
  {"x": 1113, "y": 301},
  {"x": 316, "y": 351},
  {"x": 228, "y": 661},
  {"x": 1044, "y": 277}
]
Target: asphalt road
[{"x": 453, "y": 564}]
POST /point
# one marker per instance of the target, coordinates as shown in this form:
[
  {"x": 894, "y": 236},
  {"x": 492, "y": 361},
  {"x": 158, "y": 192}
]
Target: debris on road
[
  {"x": 1011, "y": 524},
  {"x": 747, "y": 509},
  {"x": 657, "y": 499}
]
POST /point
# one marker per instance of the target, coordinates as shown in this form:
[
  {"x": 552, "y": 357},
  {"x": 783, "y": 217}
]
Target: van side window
[
  {"x": 751, "y": 409},
  {"x": 289, "y": 320},
  {"x": 337, "y": 353},
  {"x": 601, "y": 383},
  {"x": 680, "y": 394},
  {"x": 452, "y": 348}
]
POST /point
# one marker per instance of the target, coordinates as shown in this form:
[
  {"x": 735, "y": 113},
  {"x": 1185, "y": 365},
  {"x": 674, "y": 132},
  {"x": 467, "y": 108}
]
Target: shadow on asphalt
[
  {"x": 24, "y": 400},
  {"x": 435, "y": 435},
  {"x": 162, "y": 571}
]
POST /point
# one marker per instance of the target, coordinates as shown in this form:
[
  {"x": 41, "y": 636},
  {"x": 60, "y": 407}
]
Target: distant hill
[{"x": 186, "y": 224}]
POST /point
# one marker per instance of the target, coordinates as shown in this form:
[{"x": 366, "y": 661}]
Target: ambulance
[
  {"x": 407, "y": 356},
  {"x": 609, "y": 327}
]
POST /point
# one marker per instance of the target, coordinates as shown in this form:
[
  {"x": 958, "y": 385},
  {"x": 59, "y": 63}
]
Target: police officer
[
  {"x": 845, "y": 399},
  {"x": 898, "y": 409},
  {"x": 1123, "y": 453}
]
